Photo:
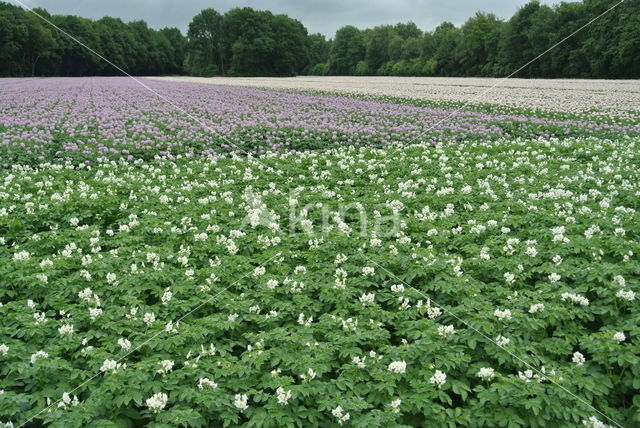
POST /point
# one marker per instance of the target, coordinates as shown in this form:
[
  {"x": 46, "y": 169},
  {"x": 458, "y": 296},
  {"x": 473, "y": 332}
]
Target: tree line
[
  {"x": 248, "y": 42},
  {"x": 31, "y": 47},
  {"x": 487, "y": 46}
]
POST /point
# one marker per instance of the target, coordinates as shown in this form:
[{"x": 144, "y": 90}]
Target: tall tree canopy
[
  {"x": 248, "y": 42},
  {"x": 487, "y": 46},
  {"x": 348, "y": 49},
  {"x": 206, "y": 44},
  {"x": 29, "y": 46},
  {"x": 263, "y": 44}
]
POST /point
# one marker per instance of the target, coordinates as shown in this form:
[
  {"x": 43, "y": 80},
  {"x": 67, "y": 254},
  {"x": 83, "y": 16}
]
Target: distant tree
[
  {"x": 249, "y": 39},
  {"x": 407, "y": 30},
  {"x": 263, "y": 44},
  {"x": 147, "y": 47},
  {"x": 541, "y": 37},
  {"x": 515, "y": 44},
  {"x": 116, "y": 43},
  {"x": 447, "y": 39},
  {"x": 319, "y": 49},
  {"x": 176, "y": 45},
  {"x": 248, "y": 42},
  {"x": 410, "y": 48},
  {"x": 39, "y": 43},
  {"x": 395, "y": 47},
  {"x": 14, "y": 34},
  {"x": 427, "y": 46},
  {"x": 321, "y": 69},
  {"x": 205, "y": 43},
  {"x": 377, "y": 49},
  {"x": 612, "y": 44},
  {"x": 569, "y": 58},
  {"x": 478, "y": 42},
  {"x": 362, "y": 69},
  {"x": 291, "y": 46},
  {"x": 626, "y": 55},
  {"x": 73, "y": 58},
  {"x": 347, "y": 51}
]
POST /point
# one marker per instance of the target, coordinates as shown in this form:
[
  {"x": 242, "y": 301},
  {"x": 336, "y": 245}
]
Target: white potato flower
[
  {"x": 21, "y": 256},
  {"x": 157, "y": 402},
  {"x": 395, "y": 405},
  {"x": 439, "y": 378},
  {"x": 619, "y": 336},
  {"x": 124, "y": 343},
  {"x": 397, "y": 367},
  {"x": 536, "y": 307},
  {"x": 65, "y": 329},
  {"x": 38, "y": 355},
  {"x": 340, "y": 415},
  {"x": 283, "y": 396},
  {"x": 578, "y": 358},
  {"x": 486, "y": 373},
  {"x": 368, "y": 271},
  {"x": 504, "y": 314},
  {"x": 204, "y": 383},
  {"x": 240, "y": 402}
]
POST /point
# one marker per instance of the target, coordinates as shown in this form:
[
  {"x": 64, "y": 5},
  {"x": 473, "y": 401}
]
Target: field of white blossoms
[
  {"x": 602, "y": 98},
  {"x": 489, "y": 282}
]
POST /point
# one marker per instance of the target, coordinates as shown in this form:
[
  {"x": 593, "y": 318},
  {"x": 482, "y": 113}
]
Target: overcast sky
[{"x": 324, "y": 16}]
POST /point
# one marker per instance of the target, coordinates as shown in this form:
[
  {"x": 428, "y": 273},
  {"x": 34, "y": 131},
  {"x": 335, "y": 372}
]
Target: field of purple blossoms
[{"x": 96, "y": 119}]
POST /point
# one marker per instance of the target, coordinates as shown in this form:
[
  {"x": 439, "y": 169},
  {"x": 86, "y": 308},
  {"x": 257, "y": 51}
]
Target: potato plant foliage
[{"x": 478, "y": 284}]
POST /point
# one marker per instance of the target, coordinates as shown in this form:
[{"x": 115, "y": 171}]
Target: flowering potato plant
[
  {"x": 88, "y": 120},
  {"x": 486, "y": 283}
]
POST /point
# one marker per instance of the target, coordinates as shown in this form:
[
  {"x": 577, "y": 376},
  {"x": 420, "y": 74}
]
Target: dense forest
[{"x": 248, "y": 42}]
